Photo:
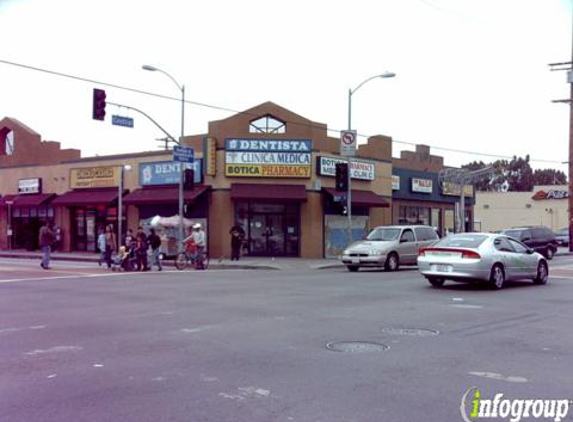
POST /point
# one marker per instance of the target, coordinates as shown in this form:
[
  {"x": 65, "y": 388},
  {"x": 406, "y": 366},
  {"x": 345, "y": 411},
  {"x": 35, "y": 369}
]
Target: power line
[{"x": 230, "y": 110}]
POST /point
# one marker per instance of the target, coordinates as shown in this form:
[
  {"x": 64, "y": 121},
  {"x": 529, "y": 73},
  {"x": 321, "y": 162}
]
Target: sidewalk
[{"x": 250, "y": 263}]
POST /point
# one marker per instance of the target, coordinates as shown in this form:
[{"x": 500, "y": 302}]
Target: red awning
[
  {"x": 276, "y": 192},
  {"x": 156, "y": 195},
  {"x": 32, "y": 200},
  {"x": 86, "y": 197},
  {"x": 362, "y": 197}
]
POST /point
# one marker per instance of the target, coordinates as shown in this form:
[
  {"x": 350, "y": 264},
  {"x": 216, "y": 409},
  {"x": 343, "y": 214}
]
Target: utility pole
[{"x": 568, "y": 66}]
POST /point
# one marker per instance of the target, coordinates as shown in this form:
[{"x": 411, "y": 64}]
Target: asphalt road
[{"x": 78, "y": 343}]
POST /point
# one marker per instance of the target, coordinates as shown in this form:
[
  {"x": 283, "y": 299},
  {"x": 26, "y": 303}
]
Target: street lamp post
[
  {"x": 181, "y": 172},
  {"x": 349, "y": 194},
  {"x": 120, "y": 203}
]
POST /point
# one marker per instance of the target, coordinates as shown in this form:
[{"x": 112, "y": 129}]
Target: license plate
[
  {"x": 442, "y": 268},
  {"x": 355, "y": 260}
]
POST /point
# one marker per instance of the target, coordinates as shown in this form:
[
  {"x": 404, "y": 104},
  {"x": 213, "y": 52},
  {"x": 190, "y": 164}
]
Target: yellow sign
[
  {"x": 453, "y": 189},
  {"x": 210, "y": 155},
  {"x": 267, "y": 170},
  {"x": 94, "y": 177}
]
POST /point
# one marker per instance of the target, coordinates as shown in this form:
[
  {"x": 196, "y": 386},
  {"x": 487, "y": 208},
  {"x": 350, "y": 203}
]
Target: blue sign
[
  {"x": 183, "y": 154},
  {"x": 269, "y": 145},
  {"x": 166, "y": 172},
  {"x": 121, "y": 121}
]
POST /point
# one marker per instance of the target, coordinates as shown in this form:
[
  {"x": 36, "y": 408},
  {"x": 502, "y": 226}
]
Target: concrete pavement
[{"x": 264, "y": 263}]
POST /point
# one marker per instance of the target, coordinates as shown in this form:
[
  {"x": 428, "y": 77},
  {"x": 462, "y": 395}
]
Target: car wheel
[
  {"x": 436, "y": 281},
  {"x": 352, "y": 268},
  {"x": 497, "y": 277},
  {"x": 542, "y": 273},
  {"x": 392, "y": 262},
  {"x": 549, "y": 252}
]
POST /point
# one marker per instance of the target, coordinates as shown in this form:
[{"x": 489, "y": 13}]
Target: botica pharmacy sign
[
  {"x": 268, "y": 158},
  {"x": 94, "y": 177},
  {"x": 361, "y": 170}
]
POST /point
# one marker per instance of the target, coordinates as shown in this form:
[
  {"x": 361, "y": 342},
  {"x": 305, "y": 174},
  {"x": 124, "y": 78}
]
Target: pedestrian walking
[
  {"x": 110, "y": 244},
  {"x": 46, "y": 239},
  {"x": 237, "y": 236},
  {"x": 141, "y": 250},
  {"x": 155, "y": 243},
  {"x": 101, "y": 246}
]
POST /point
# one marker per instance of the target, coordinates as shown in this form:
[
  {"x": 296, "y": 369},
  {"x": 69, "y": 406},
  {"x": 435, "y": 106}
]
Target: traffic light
[
  {"x": 189, "y": 179},
  {"x": 341, "y": 182},
  {"x": 99, "y": 104}
]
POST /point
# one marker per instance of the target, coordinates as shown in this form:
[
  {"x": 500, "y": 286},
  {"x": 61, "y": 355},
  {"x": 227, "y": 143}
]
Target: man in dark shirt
[
  {"x": 155, "y": 243},
  {"x": 237, "y": 235}
]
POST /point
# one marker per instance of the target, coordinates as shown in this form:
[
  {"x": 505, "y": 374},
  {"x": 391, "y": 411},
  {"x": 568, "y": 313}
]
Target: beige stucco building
[{"x": 545, "y": 205}]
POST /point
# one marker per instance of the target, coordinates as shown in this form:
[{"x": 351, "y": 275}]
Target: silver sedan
[{"x": 493, "y": 258}]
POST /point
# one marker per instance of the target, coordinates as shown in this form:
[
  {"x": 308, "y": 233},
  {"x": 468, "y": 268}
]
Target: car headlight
[
  {"x": 345, "y": 252},
  {"x": 375, "y": 252}
]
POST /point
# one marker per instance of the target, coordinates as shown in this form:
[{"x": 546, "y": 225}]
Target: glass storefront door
[
  {"x": 268, "y": 235},
  {"x": 270, "y": 229}
]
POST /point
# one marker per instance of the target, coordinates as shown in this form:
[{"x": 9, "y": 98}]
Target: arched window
[
  {"x": 267, "y": 124},
  {"x": 9, "y": 142}
]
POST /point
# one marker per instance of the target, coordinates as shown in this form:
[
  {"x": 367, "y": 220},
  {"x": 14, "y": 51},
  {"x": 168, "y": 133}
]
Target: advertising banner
[
  {"x": 453, "y": 189},
  {"x": 268, "y": 158},
  {"x": 422, "y": 185},
  {"x": 166, "y": 172},
  {"x": 29, "y": 186},
  {"x": 94, "y": 177},
  {"x": 361, "y": 170}
]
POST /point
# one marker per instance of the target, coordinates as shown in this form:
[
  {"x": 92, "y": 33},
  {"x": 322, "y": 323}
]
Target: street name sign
[{"x": 183, "y": 154}]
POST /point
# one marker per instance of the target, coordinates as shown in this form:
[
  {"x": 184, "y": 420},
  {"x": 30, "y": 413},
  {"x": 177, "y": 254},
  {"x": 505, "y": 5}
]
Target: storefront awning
[
  {"x": 365, "y": 198},
  {"x": 162, "y": 195},
  {"x": 33, "y": 200},
  {"x": 283, "y": 193},
  {"x": 86, "y": 197}
]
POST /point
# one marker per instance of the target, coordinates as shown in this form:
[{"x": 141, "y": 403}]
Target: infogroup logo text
[{"x": 474, "y": 407}]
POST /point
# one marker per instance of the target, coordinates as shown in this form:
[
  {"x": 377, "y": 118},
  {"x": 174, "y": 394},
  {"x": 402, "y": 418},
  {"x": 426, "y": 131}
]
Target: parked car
[
  {"x": 562, "y": 237},
  {"x": 490, "y": 257},
  {"x": 389, "y": 247},
  {"x": 539, "y": 238}
]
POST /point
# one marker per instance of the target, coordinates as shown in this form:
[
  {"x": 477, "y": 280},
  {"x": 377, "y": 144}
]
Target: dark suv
[{"x": 539, "y": 238}]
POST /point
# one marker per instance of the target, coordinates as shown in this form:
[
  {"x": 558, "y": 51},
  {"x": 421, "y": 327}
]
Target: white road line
[{"x": 111, "y": 274}]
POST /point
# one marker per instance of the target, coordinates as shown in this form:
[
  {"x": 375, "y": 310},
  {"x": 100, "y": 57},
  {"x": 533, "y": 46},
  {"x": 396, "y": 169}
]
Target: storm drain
[
  {"x": 419, "y": 332},
  {"x": 356, "y": 346}
]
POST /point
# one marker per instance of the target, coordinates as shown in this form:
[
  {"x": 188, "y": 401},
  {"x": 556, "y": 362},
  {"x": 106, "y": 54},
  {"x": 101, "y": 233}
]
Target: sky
[{"x": 471, "y": 75}]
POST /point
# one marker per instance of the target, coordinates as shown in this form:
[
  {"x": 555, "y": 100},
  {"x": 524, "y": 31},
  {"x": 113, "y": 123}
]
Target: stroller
[{"x": 125, "y": 260}]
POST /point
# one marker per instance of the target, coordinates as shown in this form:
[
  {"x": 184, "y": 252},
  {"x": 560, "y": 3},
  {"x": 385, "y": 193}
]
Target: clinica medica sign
[{"x": 268, "y": 158}]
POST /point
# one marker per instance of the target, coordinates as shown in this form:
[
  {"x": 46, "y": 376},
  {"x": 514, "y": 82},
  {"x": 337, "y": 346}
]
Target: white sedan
[{"x": 494, "y": 258}]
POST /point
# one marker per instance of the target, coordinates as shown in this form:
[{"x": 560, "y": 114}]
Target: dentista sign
[{"x": 268, "y": 158}]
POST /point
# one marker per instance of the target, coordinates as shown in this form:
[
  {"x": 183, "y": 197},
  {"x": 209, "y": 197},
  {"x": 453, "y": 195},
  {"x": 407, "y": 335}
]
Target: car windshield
[
  {"x": 384, "y": 234},
  {"x": 517, "y": 234},
  {"x": 461, "y": 241}
]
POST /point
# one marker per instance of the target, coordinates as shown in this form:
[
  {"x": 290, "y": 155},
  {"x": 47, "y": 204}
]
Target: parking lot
[{"x": 81, "y": 343}]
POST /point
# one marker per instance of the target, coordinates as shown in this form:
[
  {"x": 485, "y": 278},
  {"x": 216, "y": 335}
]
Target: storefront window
[
  {"x": 414, "y": 215},
  {"x": 449, "y": 221}
]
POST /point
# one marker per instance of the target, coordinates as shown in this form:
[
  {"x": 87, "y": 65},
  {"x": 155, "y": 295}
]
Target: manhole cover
[
  {"x": 420, "y": 332},
  {"x": 356, "y": 346}
]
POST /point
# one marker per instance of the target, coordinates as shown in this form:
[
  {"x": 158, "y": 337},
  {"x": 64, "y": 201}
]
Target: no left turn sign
[{"x": 348, "y": 143}]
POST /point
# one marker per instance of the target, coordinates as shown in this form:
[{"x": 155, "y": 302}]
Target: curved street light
[
  {"x": 349, "y": 194},
  {"x": 181, "y": 173}
]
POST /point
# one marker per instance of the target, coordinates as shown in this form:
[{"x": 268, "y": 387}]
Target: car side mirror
[
  {"x": 530, "y": 251},
  {"x": 403, "y": 240},
  {"x": 525, "y": 239}
]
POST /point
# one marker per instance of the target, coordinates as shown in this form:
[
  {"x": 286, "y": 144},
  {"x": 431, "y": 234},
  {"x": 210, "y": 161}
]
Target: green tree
[
  {"x": 549, "y": 177},
  {"x": 520, "y": 175}
]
